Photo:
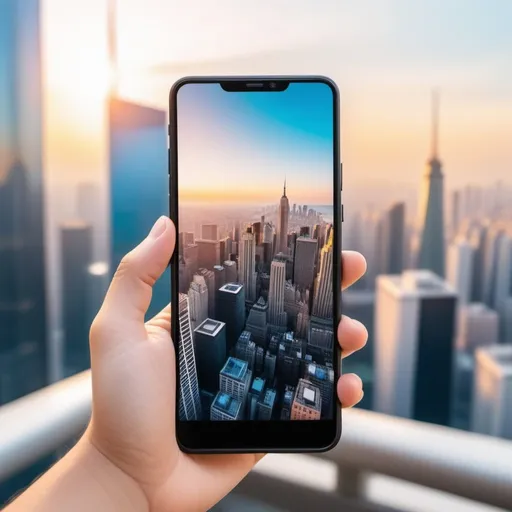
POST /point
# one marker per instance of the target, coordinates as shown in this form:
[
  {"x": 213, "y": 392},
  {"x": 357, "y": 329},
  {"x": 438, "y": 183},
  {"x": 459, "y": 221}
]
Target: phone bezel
[{"x": 258, "y": 436}]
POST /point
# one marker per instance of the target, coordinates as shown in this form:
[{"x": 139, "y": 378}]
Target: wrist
[{"x": 114, "y": 487}]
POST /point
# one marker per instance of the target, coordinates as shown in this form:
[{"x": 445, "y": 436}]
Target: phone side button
[{"x": 342, "y": 213}]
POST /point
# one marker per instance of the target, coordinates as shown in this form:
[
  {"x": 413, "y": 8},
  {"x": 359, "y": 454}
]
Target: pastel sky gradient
[{"x": 238, "y": 147}]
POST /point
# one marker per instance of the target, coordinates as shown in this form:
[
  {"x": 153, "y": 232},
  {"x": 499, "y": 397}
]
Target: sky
[
  {"x": 239, "y": 147},
  {"x": 386, "y": 57}
]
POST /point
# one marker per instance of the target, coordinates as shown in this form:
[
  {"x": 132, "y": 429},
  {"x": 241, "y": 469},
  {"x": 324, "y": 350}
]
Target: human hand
[{"x": 134, "y": 386}]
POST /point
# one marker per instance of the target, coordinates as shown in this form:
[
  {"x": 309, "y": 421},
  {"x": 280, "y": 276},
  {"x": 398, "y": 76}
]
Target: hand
[{"x": 133, "y": 377}]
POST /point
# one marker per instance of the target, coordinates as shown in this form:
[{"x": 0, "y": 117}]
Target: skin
[{"x": 128, "y": 459}]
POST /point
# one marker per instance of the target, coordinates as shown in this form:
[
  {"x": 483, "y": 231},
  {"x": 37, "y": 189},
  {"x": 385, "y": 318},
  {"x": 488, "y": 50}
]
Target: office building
[
  {"x": 257, "y": 322},
  {"x": 230, "y": 309},
  {"x": 208, "y": 253},
  {"x": 260, "y": 359},
  {"x": 23, "y": 307},
  {"x": 245, "y": 349},
  {"x": 431, "y": 252},
  {"x": 236, "y": 379},
  {"x": 198, "y": 300},
  {"x": 225, "y": 248},
  {"x": 304, "y": 263},
  {"x": 255, "y": 391},
  {"x": 209, "y": 279},
  {"x": 269, "y": 367},
  {"x": 265, "y": 405},
  {"x": 190, "y": 400},
  {"x": 268, "y": 233},
  {"x": 492, "y": 393},
  {"x": 191, "y": 257},
  {"x": 257, "y": 231},
  {"x": 231, "y": 272},
  {"x": 236, "y": 232},
  {"x": 138, "y": 176},
  {"x": 459, "y": 269},
  {"x": 287, "y": 401},
  {"x": 323, "y": 378},
  {"x": 455, "y": 220},
  {"x": 323, "y": 292},
  {"x": 210, "y": 232},
  {"x": 289, "y": 359},
  {"x": 277, "y": 314},
  {"x": 247, "y": 261},
  {"x": 321, "y": 336},
  {"x": 207, "y": 399},
  {"x": 225, "y": 408},
  {"x": 477, "y": 238},
  {"x": 282, "y": 223},
  {"x": 307, "y": 403},
  {"x": 478, "y": 327},
  {"x": 414, "y": 339},
  {"x": 210, "y": 351},
  {"x": 296, "y": 300},
  {"x": 304, "y": 231},
  {"x": 76, "y": 256}
]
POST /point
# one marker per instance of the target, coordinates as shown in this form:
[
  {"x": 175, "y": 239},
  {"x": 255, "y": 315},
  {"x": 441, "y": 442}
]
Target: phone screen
[{"x": 255, "y": 221}]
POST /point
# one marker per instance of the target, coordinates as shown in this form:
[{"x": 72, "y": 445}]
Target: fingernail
[{"x": 158, "y": 228}]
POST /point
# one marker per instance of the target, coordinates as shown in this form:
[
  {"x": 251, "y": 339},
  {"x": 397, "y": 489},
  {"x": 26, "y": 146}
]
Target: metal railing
[{"x": 461, "y": 463}]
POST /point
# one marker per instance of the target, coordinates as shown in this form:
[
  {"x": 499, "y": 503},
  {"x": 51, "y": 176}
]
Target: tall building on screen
[
  {"x": 230, "y": 309},
  {"x": 198, "y": 300},
  {"x": 190, "y": 401},
  {"x": 247, "y": 265},
  {"x": 225, "y": 408},
  {"x": 304, "y": 262},
  {"x": 210, "y": 350},
  {"x": 277, "y": 314},
  {"x": 235, "y": 379},
  {"x": 322, "y": 299},
  {"x": 282, "y": 223},
  {"x": 414, "y": 340}
]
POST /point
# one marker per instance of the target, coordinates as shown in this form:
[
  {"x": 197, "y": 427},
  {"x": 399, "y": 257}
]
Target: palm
[{"x": 134, "y": 422}]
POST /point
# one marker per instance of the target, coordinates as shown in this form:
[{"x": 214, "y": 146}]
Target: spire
[
  {"x": 435, "y": 123},
  {"x": 112, "y": 43},
  {"x": 284, "y": 188}
]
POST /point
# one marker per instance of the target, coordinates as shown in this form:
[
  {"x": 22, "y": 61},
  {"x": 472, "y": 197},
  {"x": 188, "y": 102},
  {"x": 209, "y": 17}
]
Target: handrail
[
  {"x": 461, "y": 463},
  {"x": 42, "y": 422}
]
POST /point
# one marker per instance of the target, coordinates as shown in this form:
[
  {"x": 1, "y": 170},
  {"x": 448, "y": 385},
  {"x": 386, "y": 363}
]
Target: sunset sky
[
  {"x": 386, "y": 57},
  {"x": 238, "y": 147}
]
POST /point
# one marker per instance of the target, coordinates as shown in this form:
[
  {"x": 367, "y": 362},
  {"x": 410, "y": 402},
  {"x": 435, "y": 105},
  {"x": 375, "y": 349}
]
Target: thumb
[{"x": 129, "y": 294}]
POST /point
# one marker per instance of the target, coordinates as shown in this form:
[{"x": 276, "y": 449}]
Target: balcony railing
[{"x": 460, "y": 463}]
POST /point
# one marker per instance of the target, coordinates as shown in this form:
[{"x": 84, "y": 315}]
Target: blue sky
[{"x": 242, "y": 145}]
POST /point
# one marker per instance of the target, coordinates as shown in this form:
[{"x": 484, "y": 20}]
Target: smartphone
[{"x": 255, "y": 194}]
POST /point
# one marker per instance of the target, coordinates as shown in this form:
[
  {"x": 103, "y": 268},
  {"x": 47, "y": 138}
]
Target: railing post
[{"x": 351, "y": 482}]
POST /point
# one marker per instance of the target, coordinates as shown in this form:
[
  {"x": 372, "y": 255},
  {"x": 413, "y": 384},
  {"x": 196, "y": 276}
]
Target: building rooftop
[
  {"x": 210, "y": 327},
  {"x": 269, "y": 398},
  {"x": 257, "y": 385},
  {"x": 235, "y": 369},
  {"x": 321, "y": 372},
  {"x": 227, "y": 404},
  {"x": 308, "y": 395},
  {"x": 231, "y": 288}
]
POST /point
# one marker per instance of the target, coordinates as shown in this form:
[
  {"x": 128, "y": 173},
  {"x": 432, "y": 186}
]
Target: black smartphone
[{"x": 255, "y": 193}]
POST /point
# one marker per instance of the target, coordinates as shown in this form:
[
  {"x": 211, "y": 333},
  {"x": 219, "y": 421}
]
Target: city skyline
[{"x": 256, "y": 313}]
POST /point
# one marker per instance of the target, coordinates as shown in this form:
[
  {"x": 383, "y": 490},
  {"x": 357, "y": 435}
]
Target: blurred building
[
  {"x": 257, "y": 322},
  {"x": 492, "y": 396},
  {"x": 231, "y": 272},
  {"x": 230, "y": 309},
  {"x": 23, "y": 344},
  {"x": 190, "y": 400},
  {"x": 459, "y": 271},
  {"x": 478, "y": 327},
  {"x": 138, "y": 176},
  {"x": 393, "y": 238},
  {"x": 76, "y": 256},
  {"x": 208, "y": 253},
  {"x": 307, "y": 403},
  {"x": 210, "y": 352},
  {"x": 198, "y": 300},
  {"x": 414, "y": 341},
  {"x": 431, "y": 251}
]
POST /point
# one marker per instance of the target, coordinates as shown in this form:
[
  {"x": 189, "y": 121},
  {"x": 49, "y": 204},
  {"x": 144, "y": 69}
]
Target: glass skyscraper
[
  {"x": 22, "y": 276},
  {"x": 138, "y": 182}
]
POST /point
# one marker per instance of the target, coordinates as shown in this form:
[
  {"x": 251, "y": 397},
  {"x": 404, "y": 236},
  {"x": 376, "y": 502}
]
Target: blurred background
[{"x": 427, "y": 157}]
